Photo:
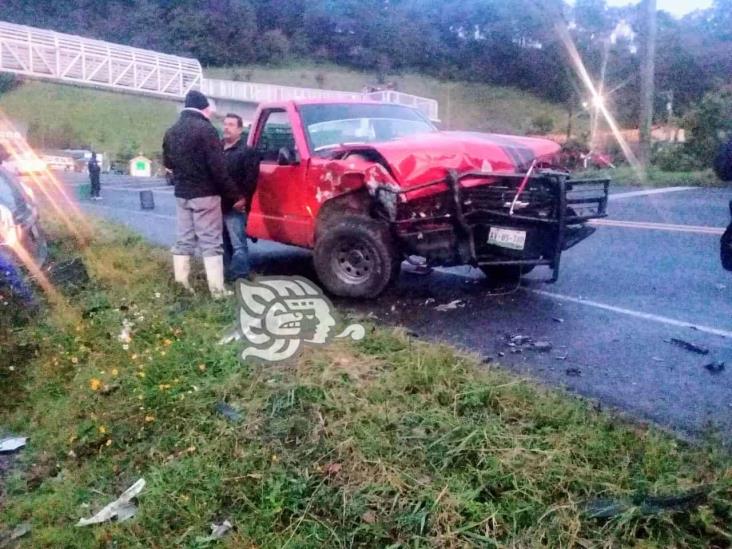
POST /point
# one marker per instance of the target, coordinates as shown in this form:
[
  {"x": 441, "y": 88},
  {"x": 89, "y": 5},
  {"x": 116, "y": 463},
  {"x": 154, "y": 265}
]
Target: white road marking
[
  {"x": 698, "y": 229},
  {"x": 636, "y": 314},
  {"x": 648, "y": 192}
]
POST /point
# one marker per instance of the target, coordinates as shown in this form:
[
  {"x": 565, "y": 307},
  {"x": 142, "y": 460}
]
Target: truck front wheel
[{"x": 356, "y": 257}]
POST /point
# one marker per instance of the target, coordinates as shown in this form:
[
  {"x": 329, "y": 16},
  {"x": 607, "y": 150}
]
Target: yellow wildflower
[{"x": 95, "y": 384}]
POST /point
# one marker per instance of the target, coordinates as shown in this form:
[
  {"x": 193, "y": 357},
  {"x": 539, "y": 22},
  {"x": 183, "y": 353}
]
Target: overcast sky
[{"x": 677, "y": 7}]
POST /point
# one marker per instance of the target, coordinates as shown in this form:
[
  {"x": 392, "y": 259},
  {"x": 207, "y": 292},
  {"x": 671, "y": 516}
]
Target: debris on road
[
  {"x": 689, "y": 346},
  {"x": 557, "y": 319},
  {"x": 715, "y": 367},
  {"x": 519, "y": 340},
  {"x": 456, "y": 303},
  {"x": 8, "y": 445},
  {"x": 562, "y": 357},
  {"x": 573, "y": 372},
  {"x": 18, "y": 532},
  {"x": 230, "y": 413},
  {"x": 519, "y": 343},
  {"x": 218, "y": 531},
  {"x": 542, "y": 346},
  {"x": 604, "y": 508},
  {"x": 122, "y": 508}
]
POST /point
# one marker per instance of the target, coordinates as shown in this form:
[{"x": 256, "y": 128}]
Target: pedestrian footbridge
[{"x": 69, "y": 59}]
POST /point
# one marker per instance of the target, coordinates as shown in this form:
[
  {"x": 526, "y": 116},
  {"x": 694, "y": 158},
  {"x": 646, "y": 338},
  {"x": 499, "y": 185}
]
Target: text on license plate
[{"x": 507, "y": 238}]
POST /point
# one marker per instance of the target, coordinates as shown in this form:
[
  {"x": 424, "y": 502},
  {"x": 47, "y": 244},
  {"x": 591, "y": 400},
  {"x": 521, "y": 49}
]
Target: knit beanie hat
[{"x": 196, "y": 100}]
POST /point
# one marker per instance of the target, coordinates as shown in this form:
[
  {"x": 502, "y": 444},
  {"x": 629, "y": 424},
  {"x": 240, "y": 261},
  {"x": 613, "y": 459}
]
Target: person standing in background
[{"x": 94, "y": 177}]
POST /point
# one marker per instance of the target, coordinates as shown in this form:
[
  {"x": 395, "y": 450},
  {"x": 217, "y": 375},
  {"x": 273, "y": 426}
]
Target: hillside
[
  {"x": 82, "y": 117},
  {"x": 463, "y": 105},
  {"x": 118, "y": 124}
]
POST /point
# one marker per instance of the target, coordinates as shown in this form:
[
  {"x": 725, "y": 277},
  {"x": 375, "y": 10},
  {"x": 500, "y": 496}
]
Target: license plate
[{"x": 507, "y": 238}]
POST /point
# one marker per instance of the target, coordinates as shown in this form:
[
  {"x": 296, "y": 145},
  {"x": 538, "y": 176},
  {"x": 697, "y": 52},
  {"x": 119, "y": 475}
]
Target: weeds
[{"x": 384, "y": 443}]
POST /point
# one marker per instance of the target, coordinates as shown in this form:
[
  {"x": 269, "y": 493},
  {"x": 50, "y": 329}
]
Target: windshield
[{"x": 332, "y": 125}]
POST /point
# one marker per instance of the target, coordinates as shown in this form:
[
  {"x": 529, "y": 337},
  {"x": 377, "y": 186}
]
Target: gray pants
[{"x": 199, "y": 222}]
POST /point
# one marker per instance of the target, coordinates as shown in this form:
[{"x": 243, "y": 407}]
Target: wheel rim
[{"x": 354, "y": 261}]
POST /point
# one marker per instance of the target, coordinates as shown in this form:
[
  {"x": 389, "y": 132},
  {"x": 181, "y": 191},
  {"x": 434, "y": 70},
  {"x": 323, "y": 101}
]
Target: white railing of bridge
[
  {"x": 260, "y": 93},
  {"x": 70, "y": 59}
]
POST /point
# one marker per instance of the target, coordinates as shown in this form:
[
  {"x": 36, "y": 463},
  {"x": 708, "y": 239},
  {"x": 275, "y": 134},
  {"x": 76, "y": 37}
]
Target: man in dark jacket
[
  {"x": 94, "y": 173},
  {"x": 192, "y": 151},
  {"x": 242, "y": 164}
]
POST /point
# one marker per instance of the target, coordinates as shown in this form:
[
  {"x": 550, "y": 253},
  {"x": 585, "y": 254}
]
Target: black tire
[
  {"x": 506, "y": 273},
  {"x": 723, "y": 162},
  {"x": 356, "y": 257}
]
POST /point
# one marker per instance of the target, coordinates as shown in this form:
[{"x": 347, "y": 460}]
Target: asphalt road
[{"x": 649, "y": 274}]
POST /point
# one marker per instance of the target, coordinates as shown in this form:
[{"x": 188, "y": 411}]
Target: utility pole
[{"x": 647, "y": 79}]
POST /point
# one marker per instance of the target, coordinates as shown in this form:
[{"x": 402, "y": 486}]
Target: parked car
[
  {"x": 366, "y": 184},
  {"x": 19, "y": 221}
]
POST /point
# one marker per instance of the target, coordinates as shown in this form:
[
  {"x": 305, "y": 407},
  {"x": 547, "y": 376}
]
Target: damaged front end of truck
[{"x": 486, "y": 219}]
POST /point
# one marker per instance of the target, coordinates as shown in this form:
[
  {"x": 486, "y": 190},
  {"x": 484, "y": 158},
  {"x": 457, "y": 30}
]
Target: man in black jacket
[
  {"x": 242, "y": 164},
  {"x": 192, "y": 151},
  {"x": 94, "y": 174}
]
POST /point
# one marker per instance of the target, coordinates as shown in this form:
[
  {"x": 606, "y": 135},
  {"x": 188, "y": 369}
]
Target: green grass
[
  {"x": 463, "y": 105},
  {"x": 388, "y": 442},
  {"x": 108, "y": 122},
  {"x": 625, "y": 175}
]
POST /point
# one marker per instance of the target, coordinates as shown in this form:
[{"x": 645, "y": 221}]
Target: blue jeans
[
  {"x": 11, "y": 277},
  {"x": 236, "y": 253}
]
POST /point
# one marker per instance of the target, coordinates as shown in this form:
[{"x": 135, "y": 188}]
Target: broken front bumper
[{"x": 485, "y": 219}]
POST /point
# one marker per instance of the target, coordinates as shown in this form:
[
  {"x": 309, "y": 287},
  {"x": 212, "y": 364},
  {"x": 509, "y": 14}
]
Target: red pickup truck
[{"x": 366, "y": 184}]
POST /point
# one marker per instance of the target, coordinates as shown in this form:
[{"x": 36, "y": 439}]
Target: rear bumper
[{"x": 547, "y": 211}]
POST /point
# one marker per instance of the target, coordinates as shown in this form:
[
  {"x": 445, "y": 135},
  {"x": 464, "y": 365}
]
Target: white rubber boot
[
  {"x": 182, "y": 271},
  {"x": 214, "y": 266}
]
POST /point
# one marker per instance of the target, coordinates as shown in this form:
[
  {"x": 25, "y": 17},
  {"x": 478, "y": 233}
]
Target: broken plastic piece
[
  {"x": 689, "y": 346},
  {"x": 450, "y": 306},
  {"x": 12, "y": 444},
  {"x": 520, "y": 340},
  {"x": 715, "y": 367},
  {"x": 218, "y": 531},
  {"x": 542, "y": 346},
  {"x": 122, "y": 508}
]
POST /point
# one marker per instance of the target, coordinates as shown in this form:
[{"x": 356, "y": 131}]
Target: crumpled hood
[{"x": 422, "y": 158}]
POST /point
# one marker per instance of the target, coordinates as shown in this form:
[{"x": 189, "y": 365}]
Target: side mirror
[{"x": 287, "y": 157}]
